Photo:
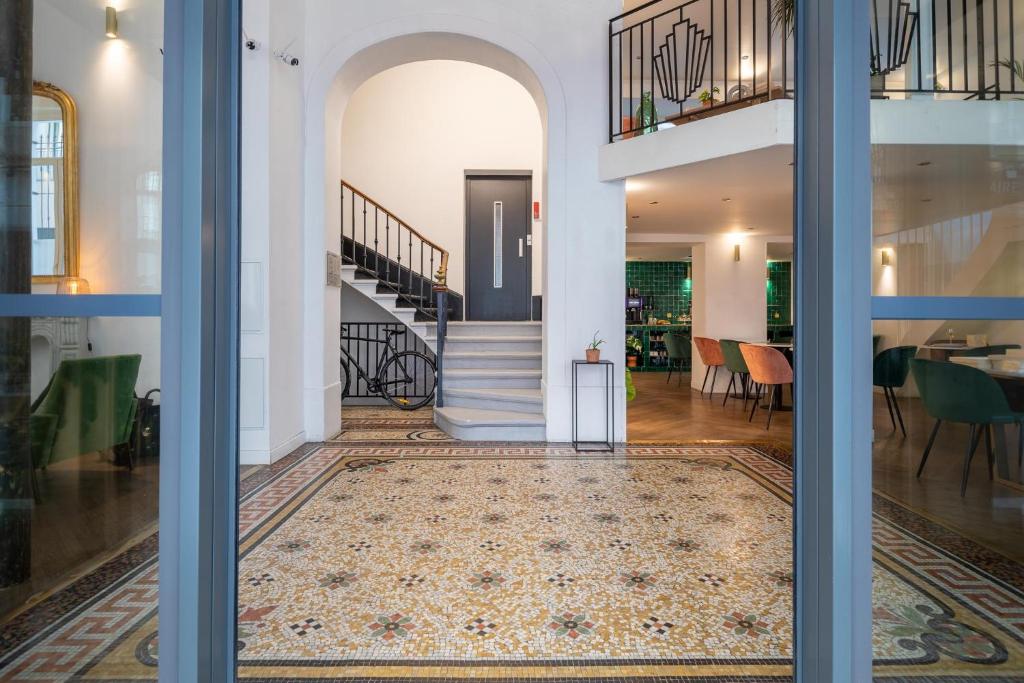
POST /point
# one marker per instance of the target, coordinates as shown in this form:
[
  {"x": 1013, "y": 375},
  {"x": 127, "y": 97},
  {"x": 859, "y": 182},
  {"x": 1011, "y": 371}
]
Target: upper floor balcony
[{"x": 671, "y": 62}]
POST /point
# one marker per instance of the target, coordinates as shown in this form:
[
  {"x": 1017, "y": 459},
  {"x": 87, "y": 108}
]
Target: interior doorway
[{"x": 498, "y": 247}]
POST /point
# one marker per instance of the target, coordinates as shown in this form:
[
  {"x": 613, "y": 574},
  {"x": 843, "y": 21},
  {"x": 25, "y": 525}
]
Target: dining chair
[
  {"x": 768, "y": 368},
  {"x": 985, "y": 351},
  {"x": 952, "y": 392},
  {"x": 710, "y": 352},
  {"x": 889, "y": 372},
  {"x": 735, "y": 364},
  {"x": 678, "y": 348}
]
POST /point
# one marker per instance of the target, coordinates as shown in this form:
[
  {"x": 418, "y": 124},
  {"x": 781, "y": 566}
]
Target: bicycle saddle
[{"x": 395, "y": 333}]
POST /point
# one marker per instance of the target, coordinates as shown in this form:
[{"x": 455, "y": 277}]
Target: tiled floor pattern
[
  {"x": 455, "y": 562},
  {"x": 372, "y": 424}
]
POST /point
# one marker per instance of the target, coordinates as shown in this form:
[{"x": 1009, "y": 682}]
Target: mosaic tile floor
[
  {"x": 458, "y": 561},
  {"x": 372, "y": 424}
]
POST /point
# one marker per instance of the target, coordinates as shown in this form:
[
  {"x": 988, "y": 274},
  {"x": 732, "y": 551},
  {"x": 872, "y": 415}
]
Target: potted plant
[
  {"x": 594, "y": 349},
  {"x": 707, "y": 97},
  {"x": 646, "y": 118},
  {"x": 634, "y": 349}
]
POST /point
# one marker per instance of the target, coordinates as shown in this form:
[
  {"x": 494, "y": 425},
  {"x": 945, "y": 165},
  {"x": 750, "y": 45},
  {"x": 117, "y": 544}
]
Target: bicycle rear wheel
[
  {"x": 408, "y": 380},
  {"x": 345, "y": 378}
]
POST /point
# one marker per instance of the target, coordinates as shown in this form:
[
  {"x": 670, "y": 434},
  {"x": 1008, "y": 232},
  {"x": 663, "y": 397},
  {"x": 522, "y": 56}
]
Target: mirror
[{"x": 54, "y": 184}]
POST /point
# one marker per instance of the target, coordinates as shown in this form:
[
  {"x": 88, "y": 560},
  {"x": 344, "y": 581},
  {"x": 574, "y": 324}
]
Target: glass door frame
[
  {"x": 199, "y": 340},
  {"x": 199, "y": 309}
]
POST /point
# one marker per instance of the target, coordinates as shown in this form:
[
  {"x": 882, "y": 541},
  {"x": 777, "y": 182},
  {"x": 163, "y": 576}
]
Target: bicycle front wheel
[{"x": 408, "y": 380}]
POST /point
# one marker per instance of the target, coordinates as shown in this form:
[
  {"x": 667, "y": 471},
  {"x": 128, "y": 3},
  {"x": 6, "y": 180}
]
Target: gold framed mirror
[{"x": 54, "y": 184}]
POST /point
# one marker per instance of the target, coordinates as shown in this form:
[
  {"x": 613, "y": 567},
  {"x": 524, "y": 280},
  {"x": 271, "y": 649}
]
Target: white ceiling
[{"x": 753, "y": 191}]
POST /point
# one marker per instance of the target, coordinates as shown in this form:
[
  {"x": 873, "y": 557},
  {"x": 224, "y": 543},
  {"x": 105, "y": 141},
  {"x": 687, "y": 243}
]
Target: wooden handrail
[{"x": 442, "y": 270}]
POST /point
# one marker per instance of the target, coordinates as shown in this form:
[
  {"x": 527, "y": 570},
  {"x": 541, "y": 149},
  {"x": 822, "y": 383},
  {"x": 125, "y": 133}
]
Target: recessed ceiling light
[
  {"x": 924, "y": 163},
  {"x": 746, "y": 56},
  {"x": 926, "y": 199},
  {"x": 634, "y": 216},
  {"x": 726, "y": 199},
  {"x": 653, "y": 203}
]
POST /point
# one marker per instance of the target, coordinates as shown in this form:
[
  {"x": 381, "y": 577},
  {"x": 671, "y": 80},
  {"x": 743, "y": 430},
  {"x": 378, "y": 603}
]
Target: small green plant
[
  {"x": 630, "y": 387},
  {"x": 634, "y": 346},
  {"x": 708, "y": 96},
  {"x": 595, "y": 343}
]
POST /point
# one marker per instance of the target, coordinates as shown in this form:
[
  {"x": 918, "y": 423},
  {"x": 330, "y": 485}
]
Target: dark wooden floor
[
  {"x": 990, "y": 513},
  {"x": 89, "y": 510}
]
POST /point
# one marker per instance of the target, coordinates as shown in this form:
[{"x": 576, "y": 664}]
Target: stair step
[
  {"x": 491, "y": 378},
  {"x": 491, "y": 398},
  {"x": 491, "y": 359},
  {"x": 493, "y": 343},
  {"x": 476, "y": 424},
  {"x": 483, "y": 328}
]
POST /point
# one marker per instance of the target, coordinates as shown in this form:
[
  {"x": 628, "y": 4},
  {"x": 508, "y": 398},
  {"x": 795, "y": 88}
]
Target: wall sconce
[
  {"x": 111, "y": 23},
  {"x": 73, "y": 285},
  {"x": 887, "y": 257},
  {"x": 736, "y": 252}
]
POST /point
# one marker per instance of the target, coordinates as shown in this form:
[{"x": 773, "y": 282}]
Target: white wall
[
  {"x": 271, "y": 271},
  {"x": 117, "y": 87},
  {"x": 558, "y": 51},
  {"x": 410, "y": 133},
  {"x": 729, "y": 296}
]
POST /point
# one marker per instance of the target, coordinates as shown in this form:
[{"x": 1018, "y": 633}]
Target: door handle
[{"x": 520, "y": 247}]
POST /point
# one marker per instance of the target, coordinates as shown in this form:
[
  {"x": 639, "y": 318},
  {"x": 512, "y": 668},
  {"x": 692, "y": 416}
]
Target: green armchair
[{"x": 89, "y": 405}]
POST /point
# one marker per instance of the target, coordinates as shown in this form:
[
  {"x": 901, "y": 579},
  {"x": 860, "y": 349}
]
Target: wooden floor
[
  {"x": 990, "y": 514},
  {"x": 666, "y": 410},
  {"x": 89, "y": 509}
]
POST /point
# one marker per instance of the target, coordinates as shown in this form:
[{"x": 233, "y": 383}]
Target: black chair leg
[
  {"x": 37, "y": 495},
  {"x": 707, "y": 371},
  {"x": 728, "y": 389},
  {"x": 928, "y": 448},
  {"x": 771, "y": 404},
  {"x": 972, "y": 445},
  {"x": 669, "y": 379},
  {"x": 1020, "y": 449},
  {"x": 746, "y": 390},
  {"x": 757, "y": 401},
  {"x": 714, "y": 378},
  {"x": 888, "y": 404},
  {"x": 899, "y": 415}
]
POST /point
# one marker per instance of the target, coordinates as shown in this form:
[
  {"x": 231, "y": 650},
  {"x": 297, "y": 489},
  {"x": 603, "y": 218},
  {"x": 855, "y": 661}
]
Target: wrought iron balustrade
[
  {"x": 671, "y": 62},
  {"x": 387, "y": 248}
]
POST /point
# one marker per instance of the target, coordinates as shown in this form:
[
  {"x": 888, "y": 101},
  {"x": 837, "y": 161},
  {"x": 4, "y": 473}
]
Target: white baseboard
[
  {"x": 253, "y": 457},
  {"x": 287, "y": 447}
]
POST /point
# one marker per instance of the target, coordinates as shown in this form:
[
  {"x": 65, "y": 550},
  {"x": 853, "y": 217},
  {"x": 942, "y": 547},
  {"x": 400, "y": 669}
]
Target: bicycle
[{"x": 407, "y": 379}]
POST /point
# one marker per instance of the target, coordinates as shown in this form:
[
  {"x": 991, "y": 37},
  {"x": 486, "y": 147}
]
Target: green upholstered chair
[
  {"x": 678, "y": 348},
  {"x": 736, "y": 365},
  {"x": 957, "y": 393},
  {"x": 89, "y": 405},
  {"x": 889, "y": 372},
  {"x": 985, "y": 351}
]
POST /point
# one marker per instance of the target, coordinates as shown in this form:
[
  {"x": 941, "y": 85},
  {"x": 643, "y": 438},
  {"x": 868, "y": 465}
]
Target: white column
[{"x": 729, "y": 296}]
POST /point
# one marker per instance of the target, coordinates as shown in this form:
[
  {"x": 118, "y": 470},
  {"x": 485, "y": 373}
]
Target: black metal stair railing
[
  {"x": 672, "y": 61},
  {"x": 385, "y": 247}
]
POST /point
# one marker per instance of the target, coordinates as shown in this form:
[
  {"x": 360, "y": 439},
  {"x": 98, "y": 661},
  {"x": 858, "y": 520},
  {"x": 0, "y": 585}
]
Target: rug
[{"x": 455, "y": 562}]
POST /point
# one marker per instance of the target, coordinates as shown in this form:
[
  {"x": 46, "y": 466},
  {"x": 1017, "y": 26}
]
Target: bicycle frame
[{"x": 373, "y": 384}]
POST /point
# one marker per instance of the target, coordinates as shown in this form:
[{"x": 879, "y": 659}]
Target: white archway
[{"x": 350, "y": 63}]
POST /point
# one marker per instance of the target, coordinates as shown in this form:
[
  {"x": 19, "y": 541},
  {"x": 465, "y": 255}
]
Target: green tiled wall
[
  {"x": 780, "y": 293},
  {"x": 666, "y": 284}
]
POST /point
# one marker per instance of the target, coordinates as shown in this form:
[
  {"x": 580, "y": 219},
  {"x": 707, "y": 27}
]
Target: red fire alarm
[{"x": 536, "y": 211}]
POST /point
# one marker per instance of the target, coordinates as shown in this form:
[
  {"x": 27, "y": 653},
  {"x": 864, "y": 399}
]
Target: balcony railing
[{"x": 670, "y": 63}]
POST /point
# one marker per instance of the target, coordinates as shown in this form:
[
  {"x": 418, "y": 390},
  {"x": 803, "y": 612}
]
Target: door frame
[{"x": 471, "y": 174}]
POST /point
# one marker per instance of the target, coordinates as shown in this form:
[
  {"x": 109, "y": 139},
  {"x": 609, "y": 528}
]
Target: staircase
[
  {"x": 491, "y": 389},
  {"x": 489, "y": 373}
]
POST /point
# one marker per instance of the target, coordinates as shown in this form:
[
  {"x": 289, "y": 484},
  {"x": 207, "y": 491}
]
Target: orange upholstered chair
[
  {"x": 768, "y": 368},
  {"x": 711, "y": 356}
]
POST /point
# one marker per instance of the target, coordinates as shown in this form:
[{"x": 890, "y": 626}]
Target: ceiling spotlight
[
  {"x": 653, "y": 203},
  {"x": 634, "y": 216},
  {"x": 726, "y": 199},
  {"x": 924, "y": 163},
  {"x": 926, "y": 199}
]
